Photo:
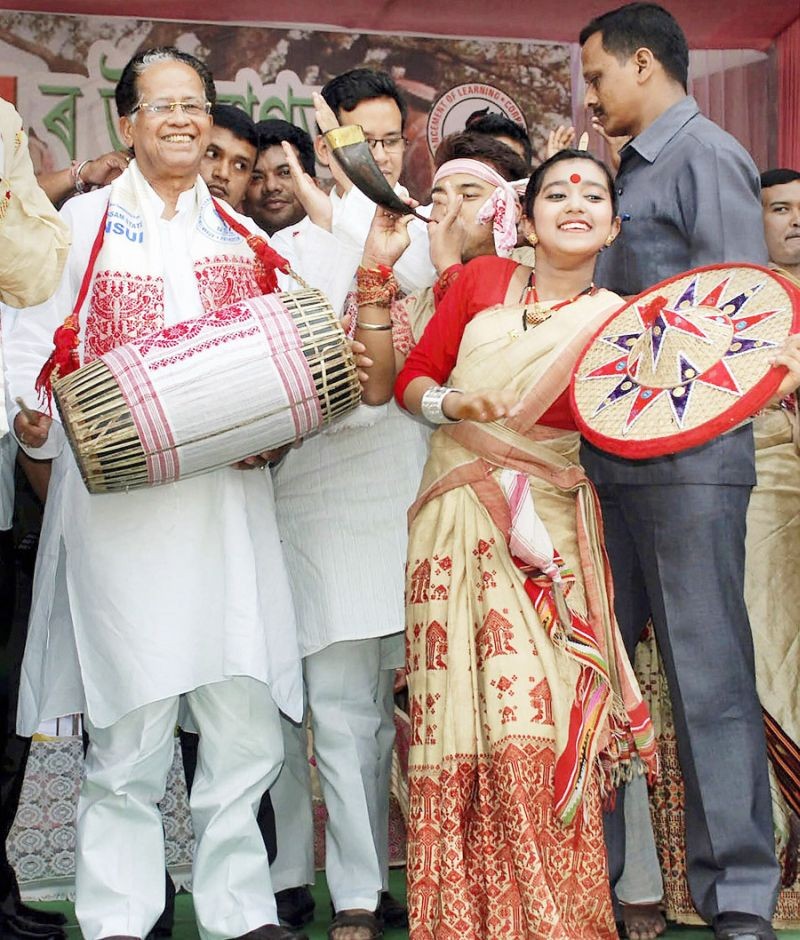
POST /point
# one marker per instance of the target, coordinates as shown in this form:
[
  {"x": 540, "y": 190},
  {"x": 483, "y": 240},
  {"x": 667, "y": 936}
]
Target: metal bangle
[
  {"x": 80, "y": 185},
  {"x": 432, "y": 400},
  {"x": 373, "y": 326}
]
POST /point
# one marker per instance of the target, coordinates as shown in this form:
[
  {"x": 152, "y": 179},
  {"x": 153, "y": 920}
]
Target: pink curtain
[
  {"x": 732, "y": 87},
  {"x": 788, "y": 44},
  {"x": 735, "y": 88}
]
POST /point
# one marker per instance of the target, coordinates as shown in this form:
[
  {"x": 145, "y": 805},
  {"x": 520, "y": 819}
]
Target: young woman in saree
[{"x": 523, "y": 707}]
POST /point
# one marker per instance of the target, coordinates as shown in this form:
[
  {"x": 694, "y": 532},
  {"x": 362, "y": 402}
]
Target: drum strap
[
  {"x": 64, "y": 357},
  {"x": 268, "y": 260}
]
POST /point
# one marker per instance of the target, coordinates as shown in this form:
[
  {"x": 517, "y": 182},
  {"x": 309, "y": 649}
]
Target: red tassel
[
  {"x": 650, "y": 311},
  {"x": 268, "y": 261},
  {"x": 62, "y": 360}
]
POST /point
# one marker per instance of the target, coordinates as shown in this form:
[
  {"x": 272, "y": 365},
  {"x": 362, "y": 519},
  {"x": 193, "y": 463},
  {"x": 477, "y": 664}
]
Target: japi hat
[{"x": 684, "y": 361}]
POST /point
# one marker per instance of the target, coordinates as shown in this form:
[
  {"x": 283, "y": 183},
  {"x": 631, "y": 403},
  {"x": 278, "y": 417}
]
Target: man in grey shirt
[{"x": 675, "y": 526}]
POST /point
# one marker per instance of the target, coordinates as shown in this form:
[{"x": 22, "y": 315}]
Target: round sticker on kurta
[{"x": 685, "y": 361}]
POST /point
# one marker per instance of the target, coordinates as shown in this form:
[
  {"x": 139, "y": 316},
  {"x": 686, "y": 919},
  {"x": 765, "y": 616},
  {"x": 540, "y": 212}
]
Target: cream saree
[{"x": 523, "y": 706}]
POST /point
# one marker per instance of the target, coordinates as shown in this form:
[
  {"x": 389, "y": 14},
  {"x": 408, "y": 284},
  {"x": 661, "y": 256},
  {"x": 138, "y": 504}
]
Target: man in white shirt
[
  {"x": 780, "y": 204},
  {"x": 228, "y": 162},
  {"x": 271, "y": 200},
  {"x": 341, "y": 501}
]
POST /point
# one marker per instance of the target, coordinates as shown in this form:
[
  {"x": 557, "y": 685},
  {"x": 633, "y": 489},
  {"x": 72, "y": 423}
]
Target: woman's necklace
[{"x": 535, "y": 311}]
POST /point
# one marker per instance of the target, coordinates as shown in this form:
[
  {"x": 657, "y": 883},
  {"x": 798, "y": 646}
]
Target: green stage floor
[{"x": 185, "y": 927}]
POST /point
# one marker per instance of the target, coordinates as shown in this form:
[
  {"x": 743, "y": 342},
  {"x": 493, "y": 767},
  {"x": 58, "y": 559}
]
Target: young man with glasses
[
  {"x": 342, "y": 499},
  {"x": 371, "y": 100}
]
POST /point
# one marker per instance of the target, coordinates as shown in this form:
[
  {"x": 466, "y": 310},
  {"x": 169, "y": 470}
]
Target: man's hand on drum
[
  {"x": 264, "y": 459},
  {"x": 482, "y": 406},
  {"x": 31, "y": 428},
  {"x": 359, "y": 350},
  {"x": 789, "y": 356}
]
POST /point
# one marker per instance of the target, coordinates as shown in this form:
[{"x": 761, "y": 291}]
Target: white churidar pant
[
  {"x": 120, "y": 856},
  {"x": 352, "y": 707}
]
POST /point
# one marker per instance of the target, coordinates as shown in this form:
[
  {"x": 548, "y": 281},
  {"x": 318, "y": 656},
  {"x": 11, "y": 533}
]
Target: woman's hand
[
  {"x": 559, "y": 139},
  {"x": 32, "y": 428},
  {"x": 447, "y": 236},
  {"x": 105, "y": 168},
  {"x": 359, "y": 350},
  {"x": 387, "y": 239},
  {"x": 789, "y": 356},
  {"x": 482, "y": 406}
]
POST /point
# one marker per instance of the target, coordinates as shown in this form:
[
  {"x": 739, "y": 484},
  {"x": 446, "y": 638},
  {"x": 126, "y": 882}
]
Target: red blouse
[{"x": 482, "y": 283}]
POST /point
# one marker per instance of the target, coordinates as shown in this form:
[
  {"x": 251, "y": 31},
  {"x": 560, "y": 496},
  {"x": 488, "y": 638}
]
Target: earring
[
  {"x": 533, "y": 239},
  {"x": 610, "y": 240}
]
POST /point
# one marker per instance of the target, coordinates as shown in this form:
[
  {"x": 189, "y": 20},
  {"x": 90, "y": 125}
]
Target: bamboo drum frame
[{"x": 104, "y": 437}]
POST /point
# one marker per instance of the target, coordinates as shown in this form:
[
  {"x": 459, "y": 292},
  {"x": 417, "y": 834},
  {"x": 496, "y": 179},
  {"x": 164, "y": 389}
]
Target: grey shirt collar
[{"x": 657, "y": 135}]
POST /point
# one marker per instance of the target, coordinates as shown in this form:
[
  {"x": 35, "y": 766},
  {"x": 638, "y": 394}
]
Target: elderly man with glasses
[{"x": 145, "y": 596}]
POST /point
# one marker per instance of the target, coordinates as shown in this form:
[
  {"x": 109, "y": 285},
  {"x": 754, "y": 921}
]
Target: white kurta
[
  {"x": 342, "y": 497},
  {"x": 342, "y": 500},
  {"x": 144, "y": 595},
  {"x": 352, "y": 217}
]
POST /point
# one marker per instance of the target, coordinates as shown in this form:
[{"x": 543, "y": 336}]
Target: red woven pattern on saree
[{"x": 488, "y": 860}]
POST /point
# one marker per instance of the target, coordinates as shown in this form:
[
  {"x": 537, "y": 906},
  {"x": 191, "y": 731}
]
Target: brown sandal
[{"x": 364, "y": 921}]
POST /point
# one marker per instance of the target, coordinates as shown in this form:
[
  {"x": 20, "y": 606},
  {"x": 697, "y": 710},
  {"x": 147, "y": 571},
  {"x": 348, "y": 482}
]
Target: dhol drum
[{"x": 208, "y": 392}]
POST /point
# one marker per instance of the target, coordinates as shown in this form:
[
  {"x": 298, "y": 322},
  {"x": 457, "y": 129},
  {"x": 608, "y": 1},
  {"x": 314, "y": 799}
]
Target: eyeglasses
[
  {"x": 391, "y": 144},
  {"x": 194, "y": 107}
]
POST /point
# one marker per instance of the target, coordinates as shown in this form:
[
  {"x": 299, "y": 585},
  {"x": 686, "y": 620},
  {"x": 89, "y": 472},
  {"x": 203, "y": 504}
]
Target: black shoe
[
  {"x": 735, "y": 925},
  {"x": 295, "y": 906},
  {"x": 51, "y": 918},
  {"x": 391, "y": 912},
  {"x": 273, "y": 932},
  {"x": 13, "y": 927},
  {"x": 163, "y": 926}
]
